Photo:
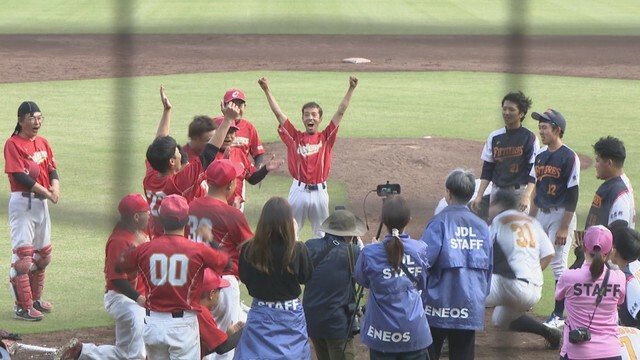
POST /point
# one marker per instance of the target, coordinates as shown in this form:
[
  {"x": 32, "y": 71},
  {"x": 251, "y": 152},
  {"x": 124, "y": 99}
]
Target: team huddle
[{"x": 175, "y": 260}]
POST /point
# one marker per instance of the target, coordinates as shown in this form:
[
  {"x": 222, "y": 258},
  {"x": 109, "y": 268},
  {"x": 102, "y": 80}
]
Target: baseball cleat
[
  {"x": 554, "y": 321},
  {"x": 28, "y": 314},
  {"x": 43, "y": 306},
  {"x": 552, "y": 339},
  {"x": 69, "y": 351}
]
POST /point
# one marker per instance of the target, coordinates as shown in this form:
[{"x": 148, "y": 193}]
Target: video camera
[{"x": 388, "y": 189}]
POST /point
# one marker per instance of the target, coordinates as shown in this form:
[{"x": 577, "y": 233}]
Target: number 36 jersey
[
  {"x": 171, "y": 267},
  {"x": 519, "y": 244}
]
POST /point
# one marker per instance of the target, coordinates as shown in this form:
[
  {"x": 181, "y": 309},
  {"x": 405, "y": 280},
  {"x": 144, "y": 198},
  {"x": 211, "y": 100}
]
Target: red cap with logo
[
  {"x": 174, "y": 206},
  {"x": 132, "y": 204},
  {"x": 212, "y": 281},
  {"x": 222, "y": 172},
  {"x": 234, "y": 94}
]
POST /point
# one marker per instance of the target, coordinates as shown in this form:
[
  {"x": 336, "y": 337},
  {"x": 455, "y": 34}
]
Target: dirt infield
[{"x": 415, "y": 163}]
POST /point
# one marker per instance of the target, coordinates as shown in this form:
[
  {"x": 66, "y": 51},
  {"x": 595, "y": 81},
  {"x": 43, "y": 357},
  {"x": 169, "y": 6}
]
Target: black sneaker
[
  {"x": 43, "y": 306},
  {"x": 28, "y": 314},
  {"x": 553, "y": 338}
]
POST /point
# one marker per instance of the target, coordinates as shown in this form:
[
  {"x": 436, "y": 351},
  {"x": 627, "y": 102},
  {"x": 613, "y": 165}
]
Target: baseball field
[{"x": 424, "y": 106}]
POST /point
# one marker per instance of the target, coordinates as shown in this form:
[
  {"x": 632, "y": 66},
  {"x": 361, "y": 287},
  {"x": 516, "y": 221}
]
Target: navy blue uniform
[
  {"x": 613, "y": 201},
  {"x": 555, "y": 173},
  {"x": 508, "y": 156}
]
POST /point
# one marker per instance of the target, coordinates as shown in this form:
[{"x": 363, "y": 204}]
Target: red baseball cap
[
  {"x": 598, "y": 236},
  {"x": 174, "y": 206},
  {"x": 234, "y": 94},
  {"x": 218, "y": 121},
  {"x": 212, "y": 281},
  {"x": 133, "y": 203},
  {"x": 222, "y": 172}
]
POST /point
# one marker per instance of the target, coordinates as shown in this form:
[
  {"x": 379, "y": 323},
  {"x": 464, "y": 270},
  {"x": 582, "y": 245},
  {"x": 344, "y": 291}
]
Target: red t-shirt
[
  {"x": 33, "y": 157},
  {"x": 210, "y": 335},
  {"x": 229, "y": 226},
  {"x": 236, "y": 155},
  {"x": 118, "y": 244},
  {"x": 172, "y": 267},
  {"x": 308, "y": 155},
  {"x": 247, "y": 138},
  {"x": 185, "y": 183}
]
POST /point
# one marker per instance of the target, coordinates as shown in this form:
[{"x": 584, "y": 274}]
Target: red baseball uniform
[
  {"x": 229, "y": 226},
  {"x": 172, "y": 267},
  {"x": 185, "y": 183},
  {"x": 118, "y": 244},
  {"x": 238, "y": 156},
  {"x": 210, "y": 335},
  {"x": 247, "y": 137},
  {"x": 308, "y": 155},
  {"x": 32, "y": 157}
]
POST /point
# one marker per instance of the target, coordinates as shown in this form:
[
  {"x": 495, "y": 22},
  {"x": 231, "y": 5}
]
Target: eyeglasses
[{"x": 34, "y": 118}]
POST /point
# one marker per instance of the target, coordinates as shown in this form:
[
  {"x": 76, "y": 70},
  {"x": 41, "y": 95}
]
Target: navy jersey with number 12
[{"x": 555, "y": 172}]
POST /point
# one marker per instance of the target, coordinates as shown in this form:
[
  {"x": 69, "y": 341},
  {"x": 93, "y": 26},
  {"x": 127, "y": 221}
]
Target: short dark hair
[
  {"x": 611, "y": 148},
  {"x": 161, "y": 150},
  {"x": 505, "y": 198},
  {"x": 171, "y": 223},
  {"x": 461, "y": 184},
  {"x": 626, "y": 241},
  {"x": 520, "y": 99},
  {"x": 312, "y": 104},
  {"x": 199, "y": 125}
]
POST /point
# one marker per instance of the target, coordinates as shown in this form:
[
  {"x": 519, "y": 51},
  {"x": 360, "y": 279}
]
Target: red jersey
[
  {"x": 308, "y": 155},
  {"x": 119, "y": 243},
  {"x": 204, "y": 187},
  {"x": 247, "y": 138},
  {"x": 210, "y": 334},
  {"x": 229, "y": 226},
  {"x": 185, "y": 183},
  {"x": 172, "y": 268},
  {"x": 33, "y": 157},
  {"x": 236, "y": 155}
]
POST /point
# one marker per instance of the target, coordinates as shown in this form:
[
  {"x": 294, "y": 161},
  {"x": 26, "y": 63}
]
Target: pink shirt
[{"x": 579, "y": 292}]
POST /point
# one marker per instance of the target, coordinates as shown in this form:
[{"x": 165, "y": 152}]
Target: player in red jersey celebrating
[
  {"x": 229, "y": 230},
  {"x": 165, "y": 173},
  {"x": 172, "y": 267},
  {"x": 309, "y": 156}
]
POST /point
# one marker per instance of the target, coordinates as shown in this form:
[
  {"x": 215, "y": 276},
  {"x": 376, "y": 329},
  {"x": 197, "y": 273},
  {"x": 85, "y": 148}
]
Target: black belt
[
  {"x": 175, "y": 315},
  {"x": 313, "y": 187},
  {"x": 548, "y": 210},
  {"x": 514, "y": 187},
  {"x": 32, "y": 194}
]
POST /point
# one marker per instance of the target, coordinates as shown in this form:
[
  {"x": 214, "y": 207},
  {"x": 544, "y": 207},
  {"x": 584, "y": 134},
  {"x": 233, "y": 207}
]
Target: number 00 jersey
[
  {"x": 519, "y": 244},
  {"x": 172, "y": 267}
]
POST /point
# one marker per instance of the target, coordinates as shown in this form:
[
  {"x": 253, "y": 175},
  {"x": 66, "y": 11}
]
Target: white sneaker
[{"x": 554, "y": 321}]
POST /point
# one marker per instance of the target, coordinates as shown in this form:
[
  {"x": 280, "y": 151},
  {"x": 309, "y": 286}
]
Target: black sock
[
  {"x": 559, "y": 307},
  {"x": 526, "y": 323}
]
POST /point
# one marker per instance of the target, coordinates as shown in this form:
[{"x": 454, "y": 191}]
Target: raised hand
[
  {"x": 165, "y": 100},
  {"x": 353, "y": 82},
  {"x": 264, "y": 83},
  {"x": 229, "y": 109}
]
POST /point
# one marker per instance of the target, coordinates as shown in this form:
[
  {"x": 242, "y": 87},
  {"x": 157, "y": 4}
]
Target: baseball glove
[{"x": 9, "y": 341}]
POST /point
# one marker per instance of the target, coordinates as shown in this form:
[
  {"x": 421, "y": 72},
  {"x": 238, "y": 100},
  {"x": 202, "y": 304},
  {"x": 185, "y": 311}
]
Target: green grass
[
  {"x": 549, "y": 17},
  {"x": 98, "y": 157}
]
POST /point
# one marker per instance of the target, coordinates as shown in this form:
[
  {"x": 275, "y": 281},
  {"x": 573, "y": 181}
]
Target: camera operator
[
  {"x": 395, "y": 272},
  {"x": 590, "y": 328},
  {"x": 329, "y": 297}
]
